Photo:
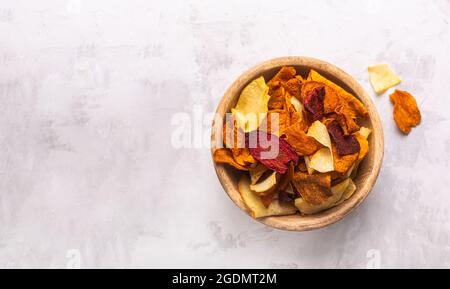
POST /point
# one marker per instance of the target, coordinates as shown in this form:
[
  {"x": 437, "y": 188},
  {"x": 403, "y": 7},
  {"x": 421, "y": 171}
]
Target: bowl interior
[{"x": 367, "y": 171}]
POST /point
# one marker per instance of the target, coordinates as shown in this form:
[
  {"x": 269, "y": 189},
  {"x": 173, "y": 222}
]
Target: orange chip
[
  {"x": 224, "y": 156},
  {"x": 406, "y": 112},
  {"x": 242, "y": 156},
  {"x": 344, "y": 95},
  {"x": 303, "y": 144},
  {"x": 283, "y": 75},
  {"x": 347, "y": 119},
  {"x": 314, "y": 189},
  {"x": 277, "y": 96},
  {"x": 279, "y": 128},
  {"x": 293, "y": 87},
  {"x": 343, "y": 163},
  {"x": 364, "y": 146},
  {"x": 331, "y": 100}
]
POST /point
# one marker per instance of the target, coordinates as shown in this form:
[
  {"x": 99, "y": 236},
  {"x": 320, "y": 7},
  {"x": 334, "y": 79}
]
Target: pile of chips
[{"x": 298, "y": 142}]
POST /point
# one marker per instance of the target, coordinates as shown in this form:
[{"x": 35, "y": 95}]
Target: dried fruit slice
[
  {"x": 252, "y": 104},
  {"x": 273, "y": 152},
  {"x": 345, "y": 145},
  {"x": 406, "y": 112},
  {"x": 382, "y": 77},
  {"x": 256, "y": 206}
]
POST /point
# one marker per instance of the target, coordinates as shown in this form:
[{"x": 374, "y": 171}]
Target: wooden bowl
[{"x": 367, "y": 171}]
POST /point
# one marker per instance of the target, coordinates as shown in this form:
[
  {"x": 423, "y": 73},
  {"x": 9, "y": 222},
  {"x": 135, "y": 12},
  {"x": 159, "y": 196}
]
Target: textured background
[{"x": 89, "y": 176}]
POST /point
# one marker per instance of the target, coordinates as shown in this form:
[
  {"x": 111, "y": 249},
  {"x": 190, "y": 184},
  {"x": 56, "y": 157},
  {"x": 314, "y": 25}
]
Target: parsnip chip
[
  {"x": 382, "y": 77},
  {"x": 252, "y": 104},
  {"x": 406, "y": 113},
  {"x": 257, "y": 172},
  {"x": 349, "y": 191},
  {"x": 322, "y": 160},
  {"x": 263, "y": 187},
  {"x": 256, "y": 206},
  {"x": 319, "y": 131},
  {"x": 297, "y": 105}
]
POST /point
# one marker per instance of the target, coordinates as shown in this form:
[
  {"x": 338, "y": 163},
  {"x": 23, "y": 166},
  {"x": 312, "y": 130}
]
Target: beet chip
[
  {"x": 273, "y": 152},
  {"x": 314, "y": 102},
  {"x": 345, "y": 145}
]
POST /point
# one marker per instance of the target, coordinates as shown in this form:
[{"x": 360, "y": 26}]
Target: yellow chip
[
  {"x": 322, "y": 160},
  {"x": 382, "y": 77},
  {"x": 251, "y": 107},
  {"x": 256, "y": 206}
]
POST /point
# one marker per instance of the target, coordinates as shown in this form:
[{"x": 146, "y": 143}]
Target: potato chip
[
  {"x": 322, "y": 160},
  {"x": 251, "y": 104},
  {"x": 315, "y": 189},
  {"x": 344, "y": 96},
  {"x": 406, "y": 112},
  {"x": 256, "y": 206},
  {"x": 224, "y": 156},
  {"x": 304, "y": 145},
  {"x": 382, "y": 77}
]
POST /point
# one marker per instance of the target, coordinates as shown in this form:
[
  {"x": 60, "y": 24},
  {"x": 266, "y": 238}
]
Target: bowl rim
[{"x": 332, "y": 215}]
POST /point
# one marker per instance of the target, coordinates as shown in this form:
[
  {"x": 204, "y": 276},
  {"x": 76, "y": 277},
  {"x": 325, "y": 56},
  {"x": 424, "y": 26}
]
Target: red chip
[
  {"x": 345, "y": 145},
  {"x": 314, "y": 102},
  {"x": 273, "y": 152}
]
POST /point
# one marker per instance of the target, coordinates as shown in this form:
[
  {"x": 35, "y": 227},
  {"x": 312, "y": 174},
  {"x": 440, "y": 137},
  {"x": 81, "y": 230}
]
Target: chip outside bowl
[{"x": 368, "y": 169}]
